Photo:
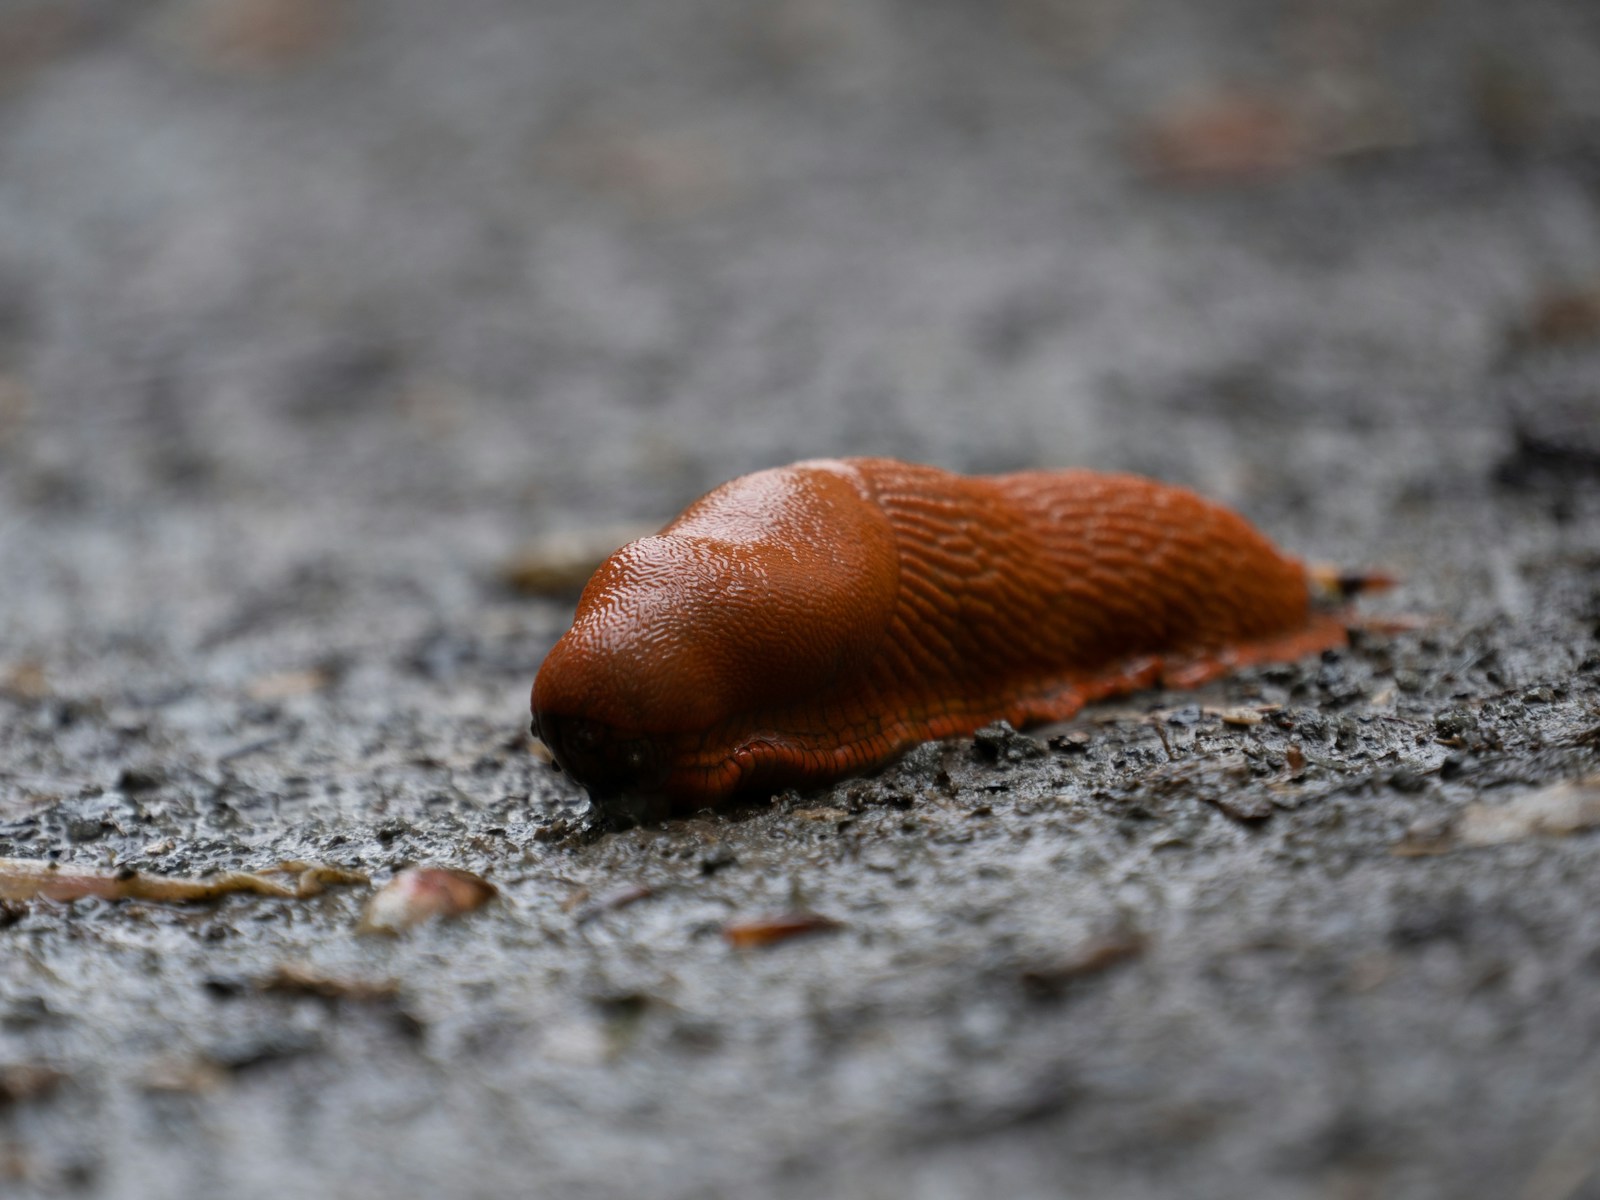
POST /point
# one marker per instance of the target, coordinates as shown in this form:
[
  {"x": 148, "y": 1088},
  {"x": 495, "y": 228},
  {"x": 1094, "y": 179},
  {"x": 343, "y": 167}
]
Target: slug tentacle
[{"x": 803, "y": 623}]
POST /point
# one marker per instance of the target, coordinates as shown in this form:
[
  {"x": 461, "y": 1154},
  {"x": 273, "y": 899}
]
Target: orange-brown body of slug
[{"x": 811, "y": 621}]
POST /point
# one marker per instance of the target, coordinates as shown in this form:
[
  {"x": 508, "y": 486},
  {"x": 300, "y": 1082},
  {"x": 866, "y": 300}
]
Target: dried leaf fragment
[
  {"x": 1228, "y": 135},
  {"x": 312, "y": 879},
  {"x": 419, "y": 894},
  {"x": 1243, "y": 718},
  {"x": 765, "y": 931},
  {"x": 25, "y": 681},
  {"x": 252, "y": 35},
  {"x": 611, "y": 901},
  {"x": 1234, "y": 134},
  {"x": 21, "y": 1082},
  {"x": 1048, "y": 980},
  {"x": 655, "y": 172},
  {"x": 1555, "y": 811},
  {"x": 283, "y": 685},
  {"x": 301, "y": 979},
  {"x": 1331, "y": 583},
  {"x": 821, "y": 814},
  {"x": 1559, "y": 810},
  {"x": 184, "y": 1077},
  {"x": 560, "y": 563},
  {"x": 1563, "y": 317},
  {"x": 33, "y": 879}
]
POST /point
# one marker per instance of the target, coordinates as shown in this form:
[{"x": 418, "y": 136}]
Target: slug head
[
  {"x": 612, "y": 766},
  {"x": 688, "y": 645}
]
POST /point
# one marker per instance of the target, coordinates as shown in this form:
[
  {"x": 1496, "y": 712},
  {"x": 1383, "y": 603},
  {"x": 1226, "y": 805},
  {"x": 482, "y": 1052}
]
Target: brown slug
[{"x": 811, "y": 621}]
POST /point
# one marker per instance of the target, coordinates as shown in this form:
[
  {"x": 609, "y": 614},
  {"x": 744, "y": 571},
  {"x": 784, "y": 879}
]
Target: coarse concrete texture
[{"x": 313, "y": 313}]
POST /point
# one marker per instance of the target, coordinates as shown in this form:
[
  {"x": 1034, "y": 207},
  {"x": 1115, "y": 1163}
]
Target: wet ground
[{"x": 314, "y": 315}]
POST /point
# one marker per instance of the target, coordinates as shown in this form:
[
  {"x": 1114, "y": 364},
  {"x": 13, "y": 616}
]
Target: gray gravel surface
[{"x": 314, "y": 314}]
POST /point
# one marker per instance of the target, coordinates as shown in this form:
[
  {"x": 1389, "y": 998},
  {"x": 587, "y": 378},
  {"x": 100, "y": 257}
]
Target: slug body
[{"x": 810, "y": 621}]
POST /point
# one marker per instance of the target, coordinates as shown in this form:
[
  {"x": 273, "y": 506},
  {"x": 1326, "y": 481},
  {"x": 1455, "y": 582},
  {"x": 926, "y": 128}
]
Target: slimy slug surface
[{"x": 811, "y": 621}]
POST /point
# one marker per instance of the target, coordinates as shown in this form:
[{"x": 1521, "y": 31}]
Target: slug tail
[{"x": 1333, "y": 585}]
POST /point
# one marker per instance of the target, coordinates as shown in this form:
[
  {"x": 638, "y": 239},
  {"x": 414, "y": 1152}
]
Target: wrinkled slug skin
[{"x": 810, "y": 621}]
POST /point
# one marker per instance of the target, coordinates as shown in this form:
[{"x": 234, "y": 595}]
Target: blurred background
[
  {"x": 314, "y": 314},
  {"x": 337, "y": 261},
  {"x": 281, "y": 275}
]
